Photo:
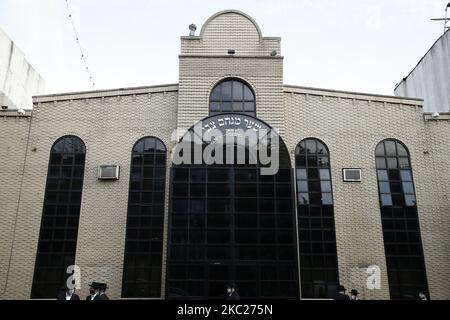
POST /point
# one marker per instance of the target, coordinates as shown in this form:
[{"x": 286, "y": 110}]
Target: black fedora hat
[
  {"x": 354, "y": 291},
  {"x": 231, "y": 285},
  {"x": 340, "y": 288},
  {"x": 98, "y": 285}
]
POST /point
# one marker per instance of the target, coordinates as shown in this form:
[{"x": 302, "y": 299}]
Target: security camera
[
  {"x": 435, "y": 115},
  {"x": 4, "y": 107},
  {"x": 21, "y": 111}
]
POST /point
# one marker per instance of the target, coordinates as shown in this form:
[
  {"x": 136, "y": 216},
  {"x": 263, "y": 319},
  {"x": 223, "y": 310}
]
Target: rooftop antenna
[{"x": 446, "y": 19}]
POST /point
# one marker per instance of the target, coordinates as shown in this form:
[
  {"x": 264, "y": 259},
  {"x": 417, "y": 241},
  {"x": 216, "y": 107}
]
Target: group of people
[
  {"x": 97, "y": 291},
  {"x": 341, "y": 295}
]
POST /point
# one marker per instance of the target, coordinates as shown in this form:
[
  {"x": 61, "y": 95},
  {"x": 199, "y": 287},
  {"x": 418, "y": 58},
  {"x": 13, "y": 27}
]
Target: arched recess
[
  {"x": 145, "y": 220},
  {"x": 230, "y": 222},
  {"x": 400, "y": 221},
  {"x": 60, "y": 217},
  {"x": 319, "y": 273}
]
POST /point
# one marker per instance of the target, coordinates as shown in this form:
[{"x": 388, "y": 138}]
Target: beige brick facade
[{"x": 110, "y": 122}]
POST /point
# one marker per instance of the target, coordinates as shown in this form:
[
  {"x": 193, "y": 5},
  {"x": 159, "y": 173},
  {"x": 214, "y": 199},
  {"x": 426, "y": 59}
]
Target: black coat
[
  {"x": 62, "y": 296},
  {"x": 234, "y": 296},
  {"x": 101, "y": 297},
  {"x": 341, "y": 296}
]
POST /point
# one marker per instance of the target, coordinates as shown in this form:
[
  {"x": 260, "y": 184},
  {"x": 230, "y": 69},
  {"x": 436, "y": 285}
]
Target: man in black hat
[
  {"x": 101, "y": 295},
  {"x": 92, "y": 291},
  {"x": 231, "y": 293},
  {"x": 354, "y": 295},
  {"x": 340, "y": 293},
  {"x": 67, "y": 294}
]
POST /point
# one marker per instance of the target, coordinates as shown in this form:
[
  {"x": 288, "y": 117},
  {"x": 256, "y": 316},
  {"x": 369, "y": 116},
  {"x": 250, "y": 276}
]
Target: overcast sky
[{"x": 356, "y": 45}]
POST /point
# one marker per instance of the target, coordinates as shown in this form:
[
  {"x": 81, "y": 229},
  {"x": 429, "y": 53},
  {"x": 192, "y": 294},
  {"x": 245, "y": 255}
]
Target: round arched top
[{"x": 224, "y": 12}]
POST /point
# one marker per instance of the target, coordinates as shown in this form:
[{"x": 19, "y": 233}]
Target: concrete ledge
[
  {"x": 230, "y": 56},
  {"x": 15, "y": 113},
  {"x": 442, "y": 117},
  {"x": 353, "y": 95},
  {"x": 105, "y": 93}
]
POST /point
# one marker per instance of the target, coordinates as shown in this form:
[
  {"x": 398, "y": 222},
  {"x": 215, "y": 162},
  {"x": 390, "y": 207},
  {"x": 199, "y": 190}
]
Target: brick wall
[
  {"x": 110, "y": 122},
  {"x": 13, "y": 143}
]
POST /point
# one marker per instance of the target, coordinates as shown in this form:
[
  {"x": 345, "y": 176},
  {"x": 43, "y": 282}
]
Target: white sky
[{"x": 356, "y": 45}]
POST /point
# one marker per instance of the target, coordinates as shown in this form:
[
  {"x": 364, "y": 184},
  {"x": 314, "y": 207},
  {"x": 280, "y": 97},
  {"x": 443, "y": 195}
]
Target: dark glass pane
[
  {"x": 227, "y": 106},
  {"x": 238, "y": 91},
  {"x": 382, "y": 175},
  {"x": 401, "y": 151},
  {"x": 379, "y": 151},
  {"x": 249, "y": 106},
  {"x": 248, "y": 94},
  {"x": 381, "y": 163},
  {"x": 390, "y": 148},
  {"x": 226, "y": 91}
]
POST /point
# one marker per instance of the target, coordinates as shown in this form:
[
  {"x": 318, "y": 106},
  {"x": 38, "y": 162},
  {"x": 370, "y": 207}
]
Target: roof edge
[
  {"x": 211, "y": 18},
  {"x": 105, "y": 93},
  {"x": 420, "y": 61},
  {"x": 353, "y": 95}
]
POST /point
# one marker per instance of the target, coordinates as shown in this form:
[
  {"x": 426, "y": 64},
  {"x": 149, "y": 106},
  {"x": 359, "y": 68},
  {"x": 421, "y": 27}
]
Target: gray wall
[{"x": 430, "y": 80}]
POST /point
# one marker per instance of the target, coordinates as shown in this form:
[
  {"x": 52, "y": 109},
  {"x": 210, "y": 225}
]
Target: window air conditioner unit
[
  {"x": 108, "y": 172},
  {"x": 352, "y": 175}
]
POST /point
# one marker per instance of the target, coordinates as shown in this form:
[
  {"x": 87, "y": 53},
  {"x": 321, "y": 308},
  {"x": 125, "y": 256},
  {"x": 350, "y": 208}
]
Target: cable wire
[{"x": 77, "y": 39}]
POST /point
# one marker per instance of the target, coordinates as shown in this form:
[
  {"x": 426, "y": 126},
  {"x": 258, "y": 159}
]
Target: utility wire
[{"x": 77, "y": 39}]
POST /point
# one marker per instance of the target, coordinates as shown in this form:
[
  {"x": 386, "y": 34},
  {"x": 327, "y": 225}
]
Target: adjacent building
[
  {"x": 18, "y": 80},
  {"x": 361, "y": 191},
  {"x": 430, "y": 79}
]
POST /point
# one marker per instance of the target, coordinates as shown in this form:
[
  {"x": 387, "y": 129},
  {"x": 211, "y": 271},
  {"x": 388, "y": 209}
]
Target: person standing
[
  {"x": 231, "y": 293},
  {"x": 67, "y": 294},
  {"x": 101, "y": 295},
  {"x": 92, "y": 291},
  {"x": 340, "y": 293},
  {"x": 354, "y": 295},
  {"x": 422, "y": 296}
]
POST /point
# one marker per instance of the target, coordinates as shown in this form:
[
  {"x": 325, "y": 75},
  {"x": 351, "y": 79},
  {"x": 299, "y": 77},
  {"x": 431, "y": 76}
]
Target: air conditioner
[
  {"x": 108, "y": 172},
  {"x": 352, "y": 175}
]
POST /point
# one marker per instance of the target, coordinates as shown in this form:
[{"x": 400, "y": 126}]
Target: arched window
[
  {"x": 230, "y": 223},
  {"x": 232, "y": 96},
  {"x": 60, "y": 217},
  {"x": 144, "y": 236},
  {"x": 400, "y": 221},
  {"x": 319, "y": 274}
]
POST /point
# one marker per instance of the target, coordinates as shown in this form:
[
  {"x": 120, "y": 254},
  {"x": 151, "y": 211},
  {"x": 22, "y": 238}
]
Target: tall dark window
[
  {"x": 401, "y": 230},
  {"x": 229, "y": 223},
  {"x": 144, "y": 236},
  {"x": 317, "y": 236},
  {"x": 232, "y": 96},
  {"x": 60, "y": 217}
]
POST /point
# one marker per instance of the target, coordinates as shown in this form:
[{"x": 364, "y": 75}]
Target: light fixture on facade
[{"x": 231, "y": 51}]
